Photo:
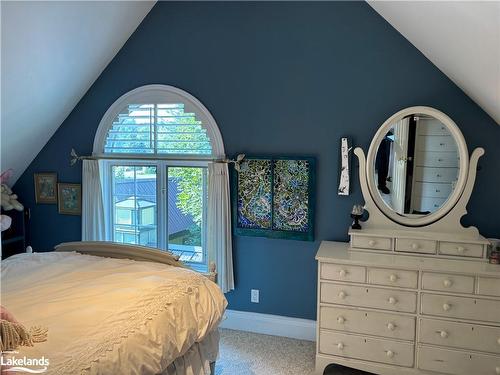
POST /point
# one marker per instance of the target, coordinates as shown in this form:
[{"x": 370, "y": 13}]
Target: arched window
[
  {"x": 155, "y": 143},
  {"x": 160, "y": 121}
]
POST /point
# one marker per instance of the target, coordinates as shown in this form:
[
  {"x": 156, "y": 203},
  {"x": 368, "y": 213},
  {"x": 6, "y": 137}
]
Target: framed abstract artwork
[{"x": 274, "y": 197}]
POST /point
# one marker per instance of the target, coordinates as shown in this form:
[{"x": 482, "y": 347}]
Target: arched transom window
[
  {"x": 155, "y": 143},
  {"x": 160, "y": 128},
  {"x": 159, "y": 120}
]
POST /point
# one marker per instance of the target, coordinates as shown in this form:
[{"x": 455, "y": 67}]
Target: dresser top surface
[
  {"x": 338, "y": 252},
  {"x": 416, "y": 234}
]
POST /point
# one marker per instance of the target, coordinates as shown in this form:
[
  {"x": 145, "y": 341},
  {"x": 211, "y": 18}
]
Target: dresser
[
  {"x": 394, "y": 314},
  {"x": 412, "y": 293}
]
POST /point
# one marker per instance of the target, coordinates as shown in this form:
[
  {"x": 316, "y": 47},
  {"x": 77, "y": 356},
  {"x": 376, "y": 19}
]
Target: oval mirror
[{"x": 417, "y": 166}]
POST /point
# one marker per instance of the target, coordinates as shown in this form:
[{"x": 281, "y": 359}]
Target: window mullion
[
  {"x": 206, "y": 256},
  {"x": 155, "y": 143},
  {"x": 110, "y": 205},
  {"x": 162, "y": 206}
]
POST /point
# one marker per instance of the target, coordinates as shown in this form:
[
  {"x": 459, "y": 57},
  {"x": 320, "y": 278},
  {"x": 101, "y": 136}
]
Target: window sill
[{"x": 201, "y": 268}]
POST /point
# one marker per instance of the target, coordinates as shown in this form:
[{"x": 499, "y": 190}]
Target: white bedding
[{"x": 109, "y": 316}]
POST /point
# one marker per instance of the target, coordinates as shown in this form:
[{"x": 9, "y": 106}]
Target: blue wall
[{"x": 279, "y": 78}]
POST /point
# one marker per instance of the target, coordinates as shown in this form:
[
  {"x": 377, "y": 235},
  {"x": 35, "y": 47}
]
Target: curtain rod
[{"x": 74, "y": 158}]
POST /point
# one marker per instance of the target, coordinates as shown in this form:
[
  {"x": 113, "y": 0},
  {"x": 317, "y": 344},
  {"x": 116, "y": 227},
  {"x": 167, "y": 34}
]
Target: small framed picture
[
  {"x": 46, "y": 188},
  {"x": 69, "y": 198}
]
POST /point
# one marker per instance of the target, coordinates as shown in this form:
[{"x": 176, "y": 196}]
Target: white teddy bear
[{"x": 8, "y": 200}]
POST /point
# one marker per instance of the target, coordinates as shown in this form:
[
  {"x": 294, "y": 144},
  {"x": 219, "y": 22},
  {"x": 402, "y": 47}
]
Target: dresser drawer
[
  {"x": 384, "y": 276},
  {"x": 436, "y": 143},
  {"x": 437, "y": 159},
  {"x": 431, "y": 127},
  {"x": 415, "y": 245},
  {"x": 376, "y": 243},
  {"x": 460, "y": 335},
  {"x": 340, "y": 272},
  {"x": 368, "y": 322},
  {"x": 461, "y": 307},
  {"x": 424, "y": 204},
  {"x": 432, "y": 189},
  {"x": 368, "y": 349},
  {"x": 428, "y": 174},
  {"x": 489, "y": 286},
  {"x": 387, "y": 299},
  {"x": 461, "y": 249},
  {"x": 449, "y": 283},
  {"x": 457, "y": 362}
]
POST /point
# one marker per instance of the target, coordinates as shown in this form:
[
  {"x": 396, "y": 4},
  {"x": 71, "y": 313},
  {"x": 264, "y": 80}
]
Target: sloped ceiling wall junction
[
  {"x": 52, "y": 52},
  {"x": 462, "y": 38}
]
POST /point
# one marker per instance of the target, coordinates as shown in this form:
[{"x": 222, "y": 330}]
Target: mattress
[{"x": 109, "y": 316}]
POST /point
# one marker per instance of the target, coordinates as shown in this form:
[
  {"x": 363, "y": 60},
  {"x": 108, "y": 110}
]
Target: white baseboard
[{"x": 276, "y": 325}]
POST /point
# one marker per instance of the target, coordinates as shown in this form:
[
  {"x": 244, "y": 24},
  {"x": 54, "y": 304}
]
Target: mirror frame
[{"x": 462, "y": 176}]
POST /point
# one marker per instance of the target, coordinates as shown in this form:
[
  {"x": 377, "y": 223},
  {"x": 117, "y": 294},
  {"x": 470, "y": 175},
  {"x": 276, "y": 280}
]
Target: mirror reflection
[{"x": 417, "y": 165}]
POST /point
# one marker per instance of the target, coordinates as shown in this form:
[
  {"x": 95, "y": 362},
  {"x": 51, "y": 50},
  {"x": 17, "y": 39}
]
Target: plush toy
[
  {"x": 8, "y": 200},
  {"x": 5, "y": 222}
]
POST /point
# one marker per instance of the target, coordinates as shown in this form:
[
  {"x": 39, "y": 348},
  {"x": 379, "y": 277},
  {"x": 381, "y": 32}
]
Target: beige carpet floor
[{"x": 245, "y": 353}]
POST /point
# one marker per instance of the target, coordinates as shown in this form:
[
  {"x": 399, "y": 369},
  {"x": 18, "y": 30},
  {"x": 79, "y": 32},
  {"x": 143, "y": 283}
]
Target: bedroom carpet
[{"x": 245, "y": 353}]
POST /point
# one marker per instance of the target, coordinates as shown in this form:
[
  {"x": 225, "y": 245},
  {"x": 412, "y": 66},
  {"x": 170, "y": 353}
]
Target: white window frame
[{"x": 153, "y": 94}]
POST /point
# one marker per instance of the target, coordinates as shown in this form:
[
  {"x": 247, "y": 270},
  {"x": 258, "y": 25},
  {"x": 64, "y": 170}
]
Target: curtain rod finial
[{"x": 74, "y": 157}]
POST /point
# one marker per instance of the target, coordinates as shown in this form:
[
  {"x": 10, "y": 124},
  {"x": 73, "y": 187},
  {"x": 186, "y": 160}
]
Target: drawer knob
[
  {"x": 443, "y": 334},
  {"x": 342, "y": 273},
  {"x": 342, "y": 294},
  {"x": 460, "y": 249},
  {"x": 447, "y": 283},
  {"x": 414, "y": 246},
  {"x": 393, "y": 278},
  {"x": 389, "y": 353},
  {"x": 446, "y": 306},
  {"x": 392, "y": 300},
  {"x": 371, "y": 243},
  {"x": 341, "y": 320},
  {"x": 391, "y": 326},
  {"x": 498, "y": 341},
  {"x": 340, "y": 346}
]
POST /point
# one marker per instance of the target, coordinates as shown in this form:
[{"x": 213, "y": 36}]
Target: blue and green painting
[
  {"x": 254, "y": 194},
  {"x": 291, "y": 195}
]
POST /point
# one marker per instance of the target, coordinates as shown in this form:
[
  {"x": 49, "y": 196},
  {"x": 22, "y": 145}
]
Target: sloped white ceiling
[
  {"x": 51, "y": 53},
  {"x": 462, "y": 38}
]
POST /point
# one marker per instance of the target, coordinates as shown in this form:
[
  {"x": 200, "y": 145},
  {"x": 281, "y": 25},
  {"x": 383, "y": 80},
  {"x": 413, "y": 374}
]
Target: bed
[{"x": 115, "y": 309}]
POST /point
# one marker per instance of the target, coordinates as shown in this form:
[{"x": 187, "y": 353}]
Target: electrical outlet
[{"x": 254, "y": 295}]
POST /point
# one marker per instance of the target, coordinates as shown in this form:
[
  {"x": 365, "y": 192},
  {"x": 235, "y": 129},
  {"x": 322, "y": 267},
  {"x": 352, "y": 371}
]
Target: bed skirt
[{"x": 199, "y": 359}]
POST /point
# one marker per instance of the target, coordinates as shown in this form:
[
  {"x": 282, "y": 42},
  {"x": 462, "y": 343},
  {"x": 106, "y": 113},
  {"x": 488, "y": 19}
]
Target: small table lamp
[{"x": 356, "y": 214}]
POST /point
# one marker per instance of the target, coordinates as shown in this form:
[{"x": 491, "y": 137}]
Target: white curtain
[
  {"x": 219, "y": 243},
  {"x": 93, "y": 228}
]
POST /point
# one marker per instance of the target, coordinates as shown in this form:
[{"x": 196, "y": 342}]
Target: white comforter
[{"x": 109, "y": 316}]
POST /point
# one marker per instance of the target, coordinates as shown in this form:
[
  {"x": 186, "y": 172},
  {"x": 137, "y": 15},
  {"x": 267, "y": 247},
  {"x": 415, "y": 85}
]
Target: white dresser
[
  {"x": 412, "y": 293},
  {"x": 396, "y": 314}
]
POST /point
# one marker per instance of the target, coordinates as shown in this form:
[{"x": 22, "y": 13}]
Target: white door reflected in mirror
[{"x": 416, "y": 165}]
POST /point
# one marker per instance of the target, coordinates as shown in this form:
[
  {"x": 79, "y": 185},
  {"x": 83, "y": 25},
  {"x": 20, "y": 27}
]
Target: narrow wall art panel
[
  {"x": 255, "y": 194},
  {"x": 274, "y": 197}
]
